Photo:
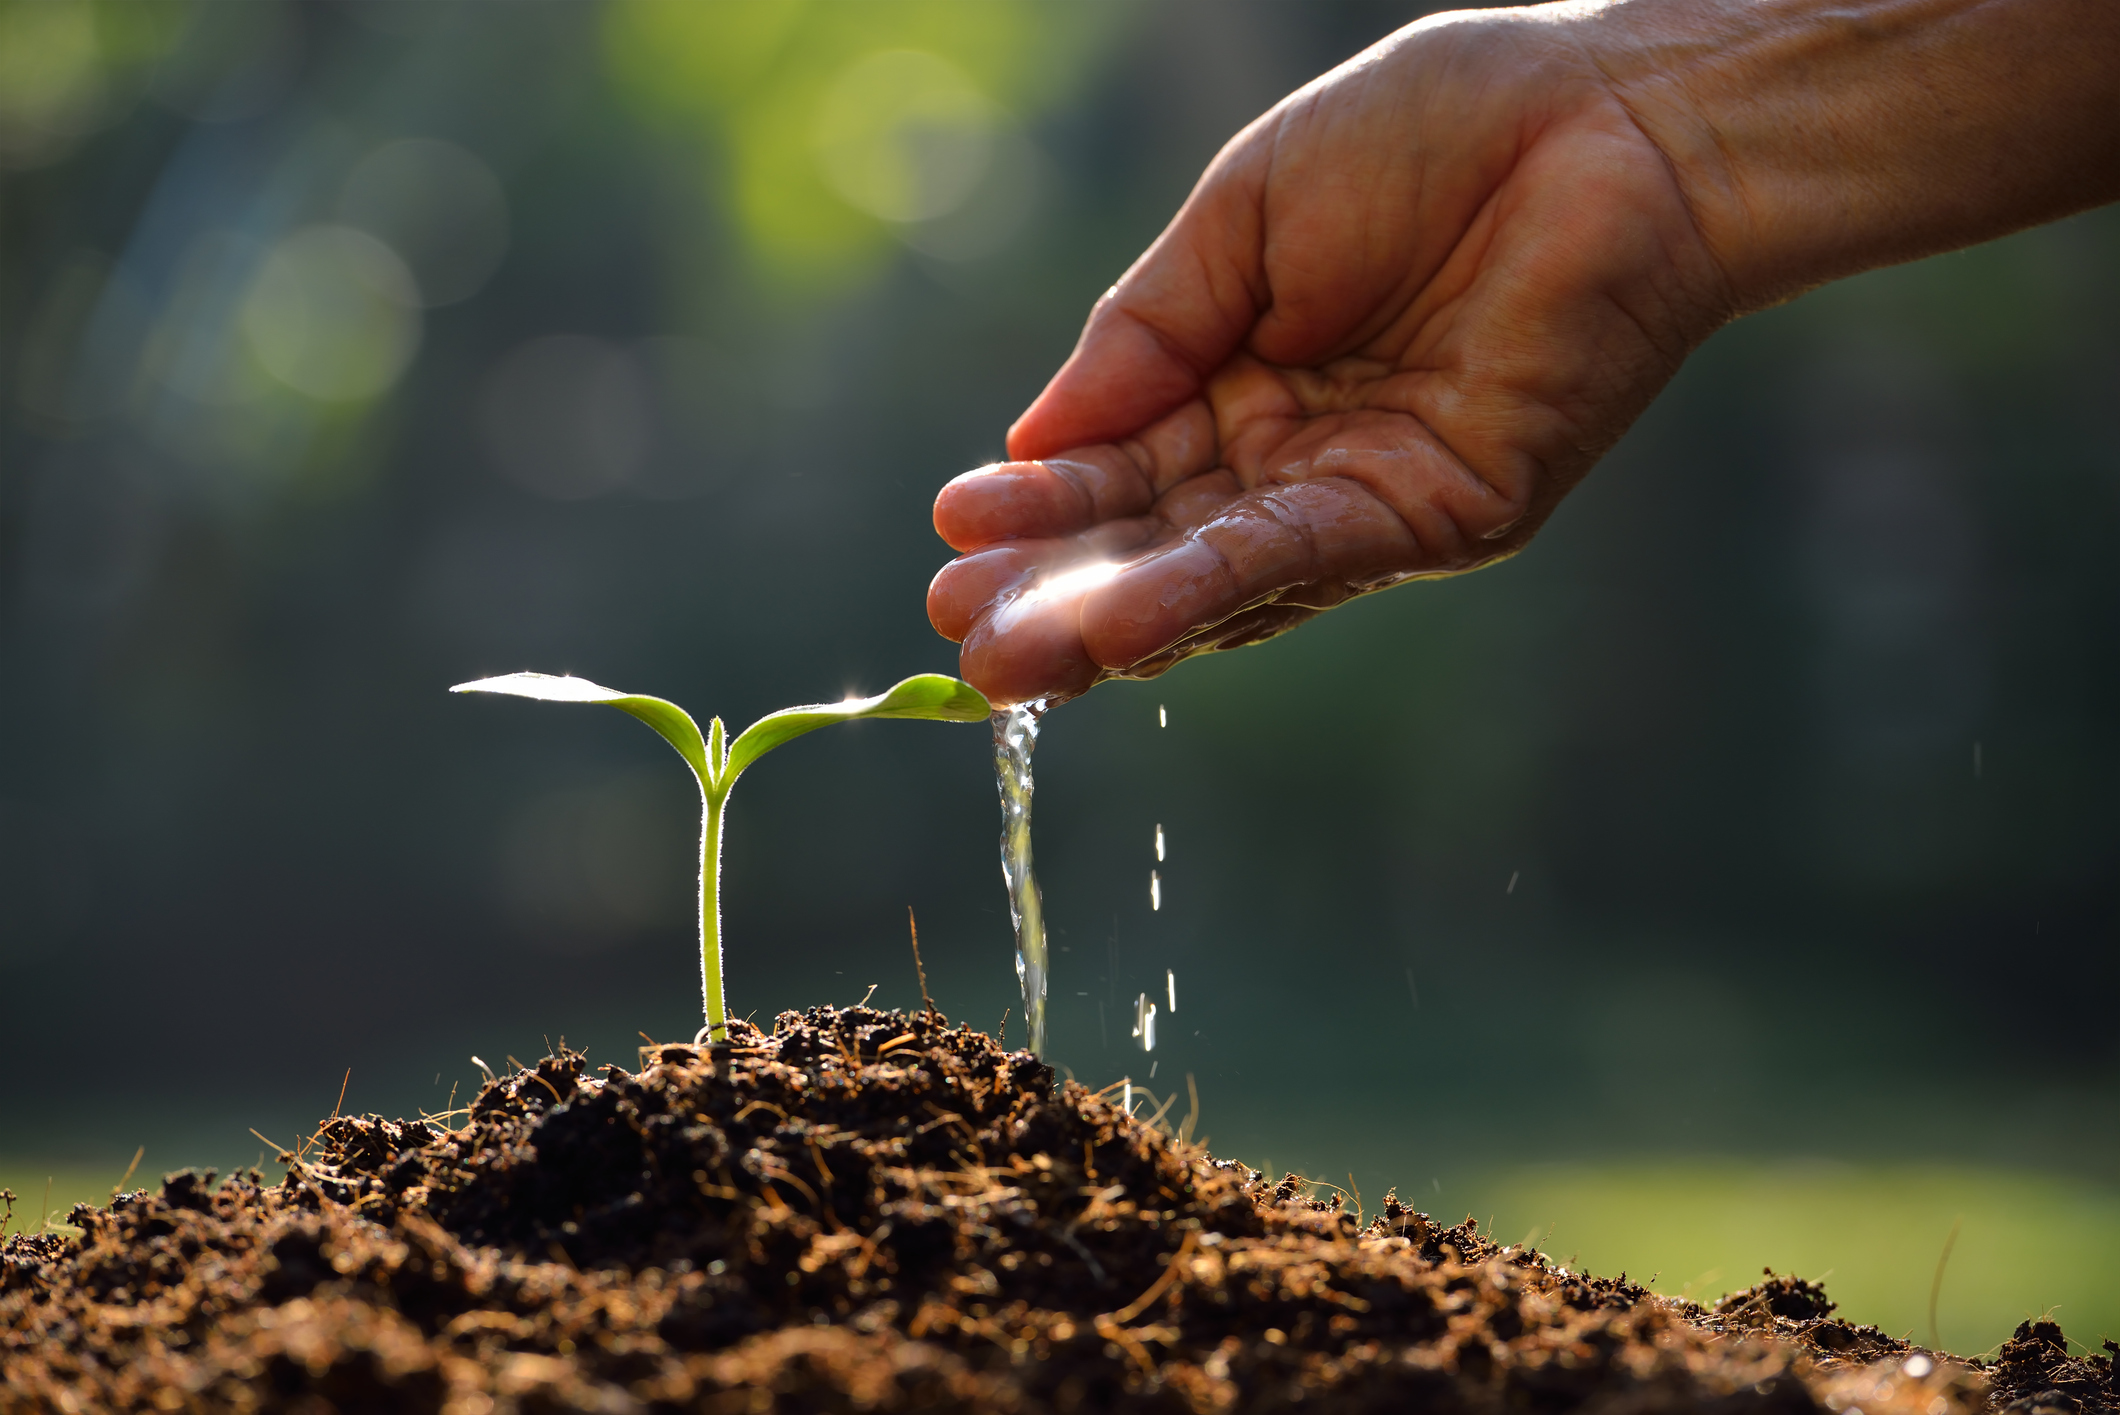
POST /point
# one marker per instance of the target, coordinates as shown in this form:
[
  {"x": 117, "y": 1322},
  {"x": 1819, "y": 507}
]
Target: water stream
[{"x": 1015, "y": 734}]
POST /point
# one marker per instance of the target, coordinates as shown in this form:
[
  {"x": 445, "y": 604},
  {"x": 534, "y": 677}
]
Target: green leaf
[
  {"x": 933, "y": 697},
  {"x": 673, "y": 722}
]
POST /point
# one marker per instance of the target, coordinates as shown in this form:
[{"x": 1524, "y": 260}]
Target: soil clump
[{"x": 873, "y": 1211}]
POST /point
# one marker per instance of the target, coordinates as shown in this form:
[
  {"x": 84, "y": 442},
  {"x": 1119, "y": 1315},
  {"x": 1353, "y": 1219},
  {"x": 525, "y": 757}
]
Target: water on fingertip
[{"x": 1013, "y": 605}]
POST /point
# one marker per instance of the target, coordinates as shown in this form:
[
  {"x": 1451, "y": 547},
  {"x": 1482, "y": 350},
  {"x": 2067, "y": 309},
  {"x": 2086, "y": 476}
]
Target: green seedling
[{"x": 717, "y": 762}]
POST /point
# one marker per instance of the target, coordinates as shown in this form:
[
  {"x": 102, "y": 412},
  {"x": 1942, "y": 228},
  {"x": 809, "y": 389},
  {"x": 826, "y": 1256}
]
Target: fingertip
[
  {"x": 1010, "y": 501},
  {"x": 1023, "y": 652},
  {"x": 956, "y": 508},
  {"x": 947, "y": 611},
  {"x": 1023, "y": 434},
  {"x": 970, "y": 585},
  {"x": 1120, "y": 379},
  {"x": 1044, "y": 429}
]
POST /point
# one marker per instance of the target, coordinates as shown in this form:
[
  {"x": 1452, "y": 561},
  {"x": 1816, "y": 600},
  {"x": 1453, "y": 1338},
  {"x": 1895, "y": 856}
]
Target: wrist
[{"x": 1817, "y": 138}]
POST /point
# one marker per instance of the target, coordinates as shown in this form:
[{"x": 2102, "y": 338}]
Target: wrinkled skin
[{"x": 1404, "y": 311}]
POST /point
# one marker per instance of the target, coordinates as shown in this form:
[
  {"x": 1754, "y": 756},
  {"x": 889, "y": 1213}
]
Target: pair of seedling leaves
[{"x": 717, "y": 762}]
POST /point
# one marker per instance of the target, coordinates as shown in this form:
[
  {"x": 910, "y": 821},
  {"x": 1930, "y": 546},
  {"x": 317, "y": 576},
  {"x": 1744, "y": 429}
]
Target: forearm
[{"x": 1816, "y": 138}]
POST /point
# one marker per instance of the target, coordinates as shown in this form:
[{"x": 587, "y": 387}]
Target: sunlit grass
[
  {"x": 68, "y": 1185},
  {"x": 2027, "y": 1243}
]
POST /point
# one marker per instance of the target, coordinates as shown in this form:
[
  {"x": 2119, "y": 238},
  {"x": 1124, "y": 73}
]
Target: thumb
[{"x": 1173, "y": 318}]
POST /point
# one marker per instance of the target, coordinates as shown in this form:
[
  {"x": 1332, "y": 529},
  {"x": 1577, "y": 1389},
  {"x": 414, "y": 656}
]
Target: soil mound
[{"x": 869, "y": 1211}]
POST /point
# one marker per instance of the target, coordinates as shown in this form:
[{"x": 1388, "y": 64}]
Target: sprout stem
[{"x": 710, "y": 914}]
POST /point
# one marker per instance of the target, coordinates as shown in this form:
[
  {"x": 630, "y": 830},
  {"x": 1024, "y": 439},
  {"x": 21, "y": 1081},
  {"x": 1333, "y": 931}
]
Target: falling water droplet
[
  {"x": 1512, "y": 881},
  {"x": 1170, "y": 988},
  {"x": 1126, "y": 1098},
  {"x": 1145, "y": 1022},
  {"x": 1159, "y": 842},
  {"x": 1152, "y": 1069},
  {"x": 1015, "y": 734},
  {"x": 1155, "y": 890},
  {"x": 1162, "y": 717}
]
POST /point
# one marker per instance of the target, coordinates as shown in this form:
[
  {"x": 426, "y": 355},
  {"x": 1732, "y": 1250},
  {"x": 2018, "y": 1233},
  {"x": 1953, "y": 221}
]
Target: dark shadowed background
[{"x": 1728, "y": 880}]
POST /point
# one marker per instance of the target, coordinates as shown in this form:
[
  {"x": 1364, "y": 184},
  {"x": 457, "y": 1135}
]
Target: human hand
[
  {"x": 1399, "y": 317},
  {"x": 1404, "y": 311}
]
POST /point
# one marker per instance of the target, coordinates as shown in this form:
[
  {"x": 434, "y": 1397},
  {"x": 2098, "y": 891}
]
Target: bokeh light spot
[
  {"x": 52, "y": 82},
  {"x": 333, "y": 313},
  {"x": 439, "y": 207},
  {"x": 995, "y": 212},
  {"x": 904, "y": 135}
]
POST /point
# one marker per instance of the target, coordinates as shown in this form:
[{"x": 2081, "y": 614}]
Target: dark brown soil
[{"x": 865, "y": 1211}]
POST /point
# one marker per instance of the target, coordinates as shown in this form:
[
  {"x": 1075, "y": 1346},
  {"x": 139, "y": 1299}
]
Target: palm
[{"x": 1376, "y": 345}]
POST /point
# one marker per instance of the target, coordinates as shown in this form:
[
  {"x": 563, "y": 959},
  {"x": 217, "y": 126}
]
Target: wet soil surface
[{"x": 869, "y": 1211}]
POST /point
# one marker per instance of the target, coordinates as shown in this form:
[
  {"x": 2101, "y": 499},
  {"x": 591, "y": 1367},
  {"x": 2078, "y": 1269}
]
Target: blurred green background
[{"x": 1728, "y": 881}]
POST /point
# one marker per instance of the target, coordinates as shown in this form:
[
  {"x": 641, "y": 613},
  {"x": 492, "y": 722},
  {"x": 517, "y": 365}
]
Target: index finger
[{"x": 1089, "y": 486}]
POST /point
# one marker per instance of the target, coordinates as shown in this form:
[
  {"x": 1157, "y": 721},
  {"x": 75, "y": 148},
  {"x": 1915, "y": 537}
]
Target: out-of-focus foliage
[
  {"x": 841, "y": 126},
  {"x": 2020, "y": 1244},
  {"x": 73, "y": 67}
]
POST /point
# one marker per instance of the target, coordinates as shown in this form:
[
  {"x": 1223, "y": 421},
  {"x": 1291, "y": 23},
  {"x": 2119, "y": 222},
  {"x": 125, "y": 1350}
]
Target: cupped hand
[{"x": 1399, "y": 317}]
